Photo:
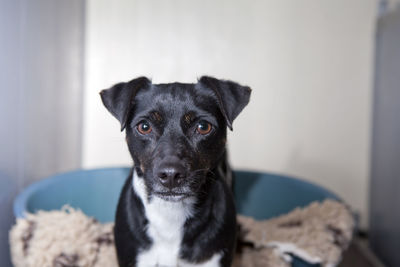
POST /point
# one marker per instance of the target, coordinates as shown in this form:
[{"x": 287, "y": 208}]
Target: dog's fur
[{"x": 176, "y": 208}]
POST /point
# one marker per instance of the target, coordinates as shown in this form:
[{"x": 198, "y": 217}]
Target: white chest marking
[{"x": 165, "y": 228}]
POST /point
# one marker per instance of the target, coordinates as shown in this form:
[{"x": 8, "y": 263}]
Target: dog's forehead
[
  {"x": 176, "y": 97},
  {"x": 179, "y": 93}
]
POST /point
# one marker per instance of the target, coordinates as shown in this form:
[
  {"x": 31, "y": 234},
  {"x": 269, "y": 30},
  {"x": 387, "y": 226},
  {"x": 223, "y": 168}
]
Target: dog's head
[{"x": 176, "y": 133}]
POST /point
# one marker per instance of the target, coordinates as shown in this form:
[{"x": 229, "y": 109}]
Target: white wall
[
  {"x": 309, "y": 64},
  {"x": 41, "y": 68}
]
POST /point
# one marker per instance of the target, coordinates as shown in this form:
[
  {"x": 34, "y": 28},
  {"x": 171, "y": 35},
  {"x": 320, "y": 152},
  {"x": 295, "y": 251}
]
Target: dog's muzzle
[{"x": 171, "y": 173}]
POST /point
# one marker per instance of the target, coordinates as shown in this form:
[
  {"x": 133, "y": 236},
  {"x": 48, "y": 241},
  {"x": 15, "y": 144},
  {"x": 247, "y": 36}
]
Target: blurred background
[{"x": 325, "y": 76}]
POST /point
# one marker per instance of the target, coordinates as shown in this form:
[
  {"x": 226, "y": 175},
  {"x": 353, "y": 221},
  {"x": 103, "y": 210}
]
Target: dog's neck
[{"x": 166, "y": 221}]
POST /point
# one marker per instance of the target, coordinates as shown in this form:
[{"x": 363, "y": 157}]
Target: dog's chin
[{"x": 171, "y": 196}]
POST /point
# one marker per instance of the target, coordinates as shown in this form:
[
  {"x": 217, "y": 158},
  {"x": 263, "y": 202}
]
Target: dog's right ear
[{"x": 120, "y": 98}]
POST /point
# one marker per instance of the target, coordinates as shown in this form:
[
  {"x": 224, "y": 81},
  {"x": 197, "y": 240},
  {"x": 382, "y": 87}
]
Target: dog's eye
[
  {"x": 203, "y": 127},
  {"x": 144, "y": 127}
]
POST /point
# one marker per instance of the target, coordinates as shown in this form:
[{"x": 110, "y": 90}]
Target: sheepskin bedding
[{"x": 318, "y": 233}]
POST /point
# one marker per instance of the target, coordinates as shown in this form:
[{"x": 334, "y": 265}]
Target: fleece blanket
[{"x": 318, "y": 233}]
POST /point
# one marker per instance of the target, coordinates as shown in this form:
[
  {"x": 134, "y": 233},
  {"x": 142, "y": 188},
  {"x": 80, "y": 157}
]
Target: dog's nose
[{"x": 171, "y": 176}]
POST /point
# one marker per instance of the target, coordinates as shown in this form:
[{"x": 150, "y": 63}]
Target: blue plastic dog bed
[{"x": 96, "y": 193}]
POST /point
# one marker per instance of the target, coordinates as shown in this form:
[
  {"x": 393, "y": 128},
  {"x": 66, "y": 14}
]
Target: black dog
[{"x": 176, "y": 208}]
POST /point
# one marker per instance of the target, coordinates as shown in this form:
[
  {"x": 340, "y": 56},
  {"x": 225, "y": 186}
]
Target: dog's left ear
[
  {"x": 232, "y": 97},
  {"x": 120, "y": 98}
]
